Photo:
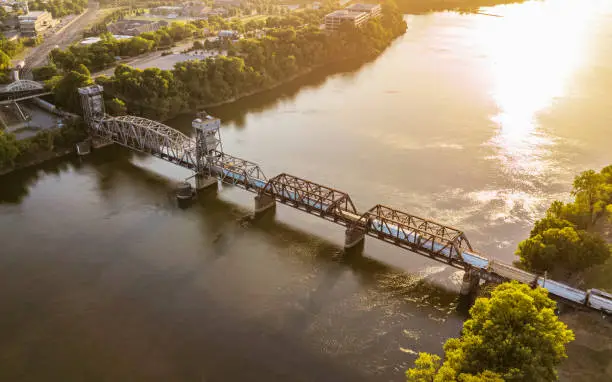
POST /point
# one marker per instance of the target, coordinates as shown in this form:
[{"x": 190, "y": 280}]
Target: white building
[
  {"x": 33, "y": 23},
  {"x": 373, "y": 10},
  {"x": 335, "y": 19}
]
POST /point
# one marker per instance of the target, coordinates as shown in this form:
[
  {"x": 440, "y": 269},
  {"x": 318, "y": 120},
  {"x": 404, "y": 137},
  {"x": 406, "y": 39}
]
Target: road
[{"x": 64, "y": 37}]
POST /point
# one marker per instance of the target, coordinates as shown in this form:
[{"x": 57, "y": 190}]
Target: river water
[{"x": 477, "y": 121}]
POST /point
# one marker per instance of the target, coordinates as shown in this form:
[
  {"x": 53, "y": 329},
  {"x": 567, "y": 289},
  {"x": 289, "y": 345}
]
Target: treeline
[
  {"x": 15, "y": 152},
  {"x": 59, "y": 8},
  {"x": 254, "y": 65},
  {"x": 566, "y": 240},
  {"x": 422, "y": 6}
]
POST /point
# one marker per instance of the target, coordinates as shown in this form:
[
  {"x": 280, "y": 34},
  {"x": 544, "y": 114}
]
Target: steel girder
[
  {"x": 149, "y": 136},
  {"x": 21, "y": 85},
  {"x": 310, "y": 197},
  {"x": 418, "y": 234},
  {"x": 236, "y": 171}
]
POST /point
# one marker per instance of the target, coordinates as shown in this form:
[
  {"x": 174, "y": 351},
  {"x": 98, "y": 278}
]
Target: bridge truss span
[
  {"x": 150, "y": 137},
  {"x": 311, "y": 197},
  {"x": 415, "y": 233},
  {"x": 22, "y": 86},
  {"x": 236, "y": 171}
]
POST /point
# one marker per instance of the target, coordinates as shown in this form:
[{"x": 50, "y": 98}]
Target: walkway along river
[{"x": 105, "y": 278}]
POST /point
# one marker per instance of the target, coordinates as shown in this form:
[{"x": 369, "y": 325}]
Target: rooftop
[
  {"x": 343, "y": 13},
  {"x": 362, "y": 7},
  {"x": 34, "y": 14}
]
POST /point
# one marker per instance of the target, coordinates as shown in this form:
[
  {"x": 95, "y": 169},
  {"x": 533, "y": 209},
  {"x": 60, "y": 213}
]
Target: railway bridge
[{"x": 203, "y": 154}]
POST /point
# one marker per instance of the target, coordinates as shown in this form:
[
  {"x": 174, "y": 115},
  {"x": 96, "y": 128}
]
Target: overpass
[{"x": 203, "y": 154}]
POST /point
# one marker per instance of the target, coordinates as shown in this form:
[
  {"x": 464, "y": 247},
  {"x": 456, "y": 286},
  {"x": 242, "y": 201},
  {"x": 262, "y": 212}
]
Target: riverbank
[
  {"x": 44, "y": 146},
  {"x": 425, "y": 6}
]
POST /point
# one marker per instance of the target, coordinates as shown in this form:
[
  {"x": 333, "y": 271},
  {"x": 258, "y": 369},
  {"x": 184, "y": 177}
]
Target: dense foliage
[
  {"x": 59, "y": 8},
  {"x": 14, "y": 152},
  {"x": 251, "y": 65},
  {"x": 512, "y": 336},
  {"x": 419, "y": 6},
  {"x": 560, "y": 240}
]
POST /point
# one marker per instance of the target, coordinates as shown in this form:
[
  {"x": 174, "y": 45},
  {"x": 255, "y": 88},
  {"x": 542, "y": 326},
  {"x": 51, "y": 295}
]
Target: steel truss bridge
[
  {"x": 202, "y": 155},
  {"x": 21, "y": 90}
]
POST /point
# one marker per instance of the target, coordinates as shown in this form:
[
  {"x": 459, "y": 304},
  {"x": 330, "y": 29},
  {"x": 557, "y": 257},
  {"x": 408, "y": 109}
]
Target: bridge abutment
[
  {"x": 354, "y": 238},
  {"x": 264, "y": 203}
]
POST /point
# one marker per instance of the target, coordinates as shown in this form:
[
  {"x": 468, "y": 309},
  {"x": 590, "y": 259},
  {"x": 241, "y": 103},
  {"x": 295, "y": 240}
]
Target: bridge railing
[
  {"x": 150, "y": 137},
  {"x": 236, "y": 171},
  {"x": 311, "y": 197},
  {"x": 415, "y": 233}
]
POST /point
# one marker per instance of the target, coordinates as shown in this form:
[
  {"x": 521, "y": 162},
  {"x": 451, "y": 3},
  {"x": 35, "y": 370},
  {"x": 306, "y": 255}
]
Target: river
[{"x": 473, "y": 120}]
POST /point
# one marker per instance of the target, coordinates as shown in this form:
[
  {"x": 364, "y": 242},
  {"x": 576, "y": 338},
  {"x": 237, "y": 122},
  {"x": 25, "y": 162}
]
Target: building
[
  {"x": 373, "y": 10},
  {"x": 93, "y": 40},
  {"x": 335, "y": 19},
  {"x": 35, "y": 22},
  {"x": 228, "y": 34},
  {"x": 167, "y": 10},
  {"x": 228, "y": 3},
  {"x": 135, "y": 27}
]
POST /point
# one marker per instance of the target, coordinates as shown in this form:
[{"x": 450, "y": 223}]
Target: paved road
[{"x": 63, "y": 38}]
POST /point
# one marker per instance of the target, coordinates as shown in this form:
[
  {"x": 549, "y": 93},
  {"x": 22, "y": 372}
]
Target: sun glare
[{"x": 533, "y": 50}]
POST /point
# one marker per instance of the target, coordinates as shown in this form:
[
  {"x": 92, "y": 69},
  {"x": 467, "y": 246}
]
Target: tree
[
  {"x": 9, "y": 149},
  {"x": 5, "y": 61},
  {"x": 565, "y": 248},
  {"x": 547, "y": 223},
  {"x": 590, "y": 191},
  {"x": 66, "y": 90},
  {"x": 514, "y": 335},
  {"x": 116, "y": 107},
  {"x": 44, "y": 73}
]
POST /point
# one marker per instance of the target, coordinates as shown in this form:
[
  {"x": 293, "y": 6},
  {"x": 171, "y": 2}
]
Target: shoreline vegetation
[
  {"x": 293, "y": 46},
  {"x": 463, "y": 6},
  {"x": 573, "y": 242}
]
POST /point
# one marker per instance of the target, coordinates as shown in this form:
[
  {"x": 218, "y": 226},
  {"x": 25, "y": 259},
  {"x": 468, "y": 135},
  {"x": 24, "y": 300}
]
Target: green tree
[
  {"x": 588, "y": 191},
  {"x": 44, "y": 73},
  {"x": 9, "y": 149},
  {"x": 547, "y": 223},
  {"x": 66, "y": 90},
  {"x": 5, "y": 61},
  {"x": 563, "y": 248},
  {"x": 116, "y": 107},
  {"x": 512, "y": 336}
]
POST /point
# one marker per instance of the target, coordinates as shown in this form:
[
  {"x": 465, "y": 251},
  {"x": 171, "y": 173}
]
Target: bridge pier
[
  {"x": 263, "y": 203},
  {"x": 470, "y": 283},
  {"x": 354, "y": 238},
  {"x": 205, "y": 182}
]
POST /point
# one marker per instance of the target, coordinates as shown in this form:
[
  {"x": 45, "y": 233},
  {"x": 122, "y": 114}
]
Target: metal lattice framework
[
  {"x": 418, "y": 234},
  {"x": 150, "y": 137},
  {"x": 236, "y": 171},
  {"x": 21, "y": 86},
  {"x": 311, "y": 197}
]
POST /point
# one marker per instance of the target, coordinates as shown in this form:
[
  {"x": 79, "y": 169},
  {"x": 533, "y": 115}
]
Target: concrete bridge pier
[
  {"x": 264, "y": 203},
  {"x": 204, "y": 182},
  {"x": 354, "y": 239},
  {"x": 471, "y": 281}
]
